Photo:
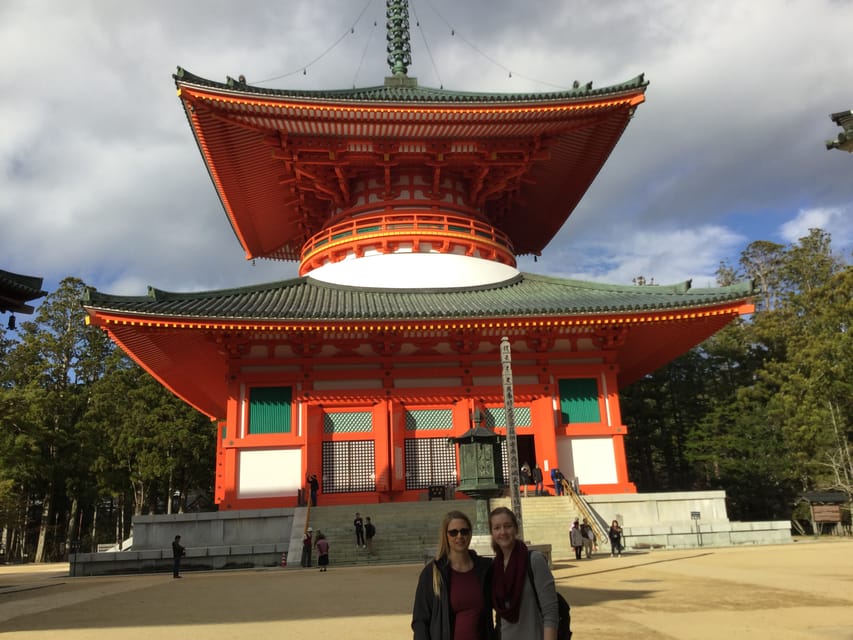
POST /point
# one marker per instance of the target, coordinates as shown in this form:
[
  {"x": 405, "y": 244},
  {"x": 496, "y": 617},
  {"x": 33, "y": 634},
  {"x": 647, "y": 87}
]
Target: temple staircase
[{"x": 408, "y": 531}]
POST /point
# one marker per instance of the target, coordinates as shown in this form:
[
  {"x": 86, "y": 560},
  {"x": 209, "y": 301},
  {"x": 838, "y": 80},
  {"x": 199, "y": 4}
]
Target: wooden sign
[{"x": 826, "y": 513}]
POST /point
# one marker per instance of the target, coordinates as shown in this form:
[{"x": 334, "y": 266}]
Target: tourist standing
[
  {"x": 523, "y": 592},
  {"x": 358, "y": 523},
  {"x": 369, "y": 532},
  {"x": 178, "y": 552},
  {"x": 588, "y": 538},
  {"x": 452, "y": 599},
  {"x": 306, "y": 547},
  {"x": 561, "y": 480},
  {"x": 557, "y": 479},
  {"x": 322, "y": 551},
  {"x": 538, "y": 481},
  {"x": 576, "y": 539},
  {"x": 615, "y": 535},
  {"x": 314, "y": 487},
  {"x": 526, "y": 477}
]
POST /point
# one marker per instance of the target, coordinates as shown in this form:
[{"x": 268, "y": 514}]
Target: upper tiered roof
[{"x": 283, "y": 161}]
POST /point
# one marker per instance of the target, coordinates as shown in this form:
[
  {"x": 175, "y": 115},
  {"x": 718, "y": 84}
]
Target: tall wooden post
[{"x": 511, "y": 441}]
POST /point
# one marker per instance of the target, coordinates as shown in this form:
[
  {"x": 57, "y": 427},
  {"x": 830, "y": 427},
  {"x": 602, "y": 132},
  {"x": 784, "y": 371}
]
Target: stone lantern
[{"x": 481, "y": 468}]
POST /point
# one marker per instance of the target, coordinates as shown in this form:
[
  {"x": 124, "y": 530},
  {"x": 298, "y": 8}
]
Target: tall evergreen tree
[
  {"x": 50, "y": 370},
  {"x": 769, "y": 399}
]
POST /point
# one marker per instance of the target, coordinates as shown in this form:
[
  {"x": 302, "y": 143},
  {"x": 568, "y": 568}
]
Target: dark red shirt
[{"x": 466, "y": 601}]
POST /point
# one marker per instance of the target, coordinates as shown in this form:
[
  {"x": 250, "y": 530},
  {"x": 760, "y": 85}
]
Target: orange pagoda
[{"x": 405, "y": 207}]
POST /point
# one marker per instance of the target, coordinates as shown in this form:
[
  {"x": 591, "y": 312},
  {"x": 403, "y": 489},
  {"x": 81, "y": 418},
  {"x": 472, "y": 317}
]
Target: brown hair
[
  {"x": 443, "y": 548},
  {"x": 502, "y": 511}
]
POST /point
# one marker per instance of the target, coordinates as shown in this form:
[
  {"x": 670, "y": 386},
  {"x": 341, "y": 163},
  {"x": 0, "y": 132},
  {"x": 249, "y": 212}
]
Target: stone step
[{"x": 406, "y": 532}]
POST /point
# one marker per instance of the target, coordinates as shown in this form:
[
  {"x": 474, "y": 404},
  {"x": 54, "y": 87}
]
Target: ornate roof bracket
[
  {"x": 465, "y": 343},
  {"x": 502, "y": 186},
  {"x": 305, "y": 343},
  {"x": 231, "y": 345},
  {"x": 541, "y": 341},
  {"x": 436, "y": 165},
  {"x": 477, "y": 183},
  {"x": 386, "y": 344},
  {"x": 610, "y": 337}
]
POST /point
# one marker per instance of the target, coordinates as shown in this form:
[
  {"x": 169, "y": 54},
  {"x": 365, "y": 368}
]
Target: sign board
[{"x": 826, "y": 513}]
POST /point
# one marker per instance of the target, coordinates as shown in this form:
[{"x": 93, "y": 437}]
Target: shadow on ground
[{"x": 244, "y": 596}]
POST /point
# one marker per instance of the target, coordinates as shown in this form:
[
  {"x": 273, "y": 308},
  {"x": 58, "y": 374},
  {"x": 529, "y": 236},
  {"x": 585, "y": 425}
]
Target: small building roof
[
  {"x": 825, "y": 497},
  {"x": 17, "y": 289}
]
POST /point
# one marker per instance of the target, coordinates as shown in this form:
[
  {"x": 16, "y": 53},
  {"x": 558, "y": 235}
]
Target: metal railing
[{"x": 593, "y": 519}]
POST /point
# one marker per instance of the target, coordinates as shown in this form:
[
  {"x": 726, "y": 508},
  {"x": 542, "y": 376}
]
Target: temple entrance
[
  {"x": 526, "y": 450},
  {"x": 526, "y": 453}
]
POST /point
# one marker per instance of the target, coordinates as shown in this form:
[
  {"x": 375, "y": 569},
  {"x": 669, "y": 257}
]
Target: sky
[{"x": 102, "y": 180}]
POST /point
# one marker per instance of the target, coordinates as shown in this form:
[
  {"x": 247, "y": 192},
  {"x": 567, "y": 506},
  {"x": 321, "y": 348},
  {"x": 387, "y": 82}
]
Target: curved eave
[
  {"x": 395, "y": 93},
  {"x": 307, "y": 300},
  {"x": 17, "y": 289},
  {"x": 237, "y": 131},
  {"x": 188, "y": 359},
  {"x": 527, "y": 321},
  {"x": 181, "y": 338}
]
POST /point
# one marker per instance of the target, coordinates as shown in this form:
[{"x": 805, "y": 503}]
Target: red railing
[{"x": 414, "y": 224}]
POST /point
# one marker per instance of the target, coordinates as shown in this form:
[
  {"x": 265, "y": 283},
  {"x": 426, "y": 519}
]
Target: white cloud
[
  {"x": 100, "y": 176},
  {"x": 837, "y": 221},
  {"x": 663, "y": 256}
]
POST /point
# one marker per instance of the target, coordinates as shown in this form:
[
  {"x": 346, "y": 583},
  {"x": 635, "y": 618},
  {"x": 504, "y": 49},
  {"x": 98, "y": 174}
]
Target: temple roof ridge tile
[
  {"x": 417, "y": 93},
  {"x": 526, "y": 294}
]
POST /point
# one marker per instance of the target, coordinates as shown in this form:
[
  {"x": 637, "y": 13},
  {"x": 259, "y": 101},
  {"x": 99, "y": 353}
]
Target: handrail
[{"x": 594, "y": 520}]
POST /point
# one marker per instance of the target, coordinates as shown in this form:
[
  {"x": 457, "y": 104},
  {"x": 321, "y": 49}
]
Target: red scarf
[{"x": 508, "y": 582}]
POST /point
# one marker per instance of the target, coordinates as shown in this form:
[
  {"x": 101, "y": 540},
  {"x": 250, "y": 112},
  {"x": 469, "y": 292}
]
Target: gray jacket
[{"x": 531, "y": 624}]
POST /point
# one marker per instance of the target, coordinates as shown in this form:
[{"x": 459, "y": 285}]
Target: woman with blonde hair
[
  {"x": 524, "y": 597},
  {"x": 452, "y": 600}
]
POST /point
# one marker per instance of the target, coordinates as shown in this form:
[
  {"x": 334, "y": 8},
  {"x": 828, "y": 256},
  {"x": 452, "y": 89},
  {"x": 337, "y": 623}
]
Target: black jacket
[{"x": 432, "y": 618}]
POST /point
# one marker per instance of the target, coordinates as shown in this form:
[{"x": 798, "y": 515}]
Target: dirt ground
[{"x": 795, "y": 591}]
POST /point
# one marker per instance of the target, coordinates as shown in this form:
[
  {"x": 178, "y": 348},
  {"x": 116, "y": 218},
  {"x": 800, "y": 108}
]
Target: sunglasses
[{"x": 455, "y": 532}]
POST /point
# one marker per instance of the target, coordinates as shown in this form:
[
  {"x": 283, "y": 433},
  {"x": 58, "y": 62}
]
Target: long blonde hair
[{"x": 443, "y": 548}]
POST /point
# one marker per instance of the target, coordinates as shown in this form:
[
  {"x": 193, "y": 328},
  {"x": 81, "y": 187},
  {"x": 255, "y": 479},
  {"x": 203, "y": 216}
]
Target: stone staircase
[{"x": 408, "y": 531}]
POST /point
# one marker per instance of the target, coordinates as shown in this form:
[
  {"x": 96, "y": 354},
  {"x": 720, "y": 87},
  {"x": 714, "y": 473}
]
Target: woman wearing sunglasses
[
  {"x": 524, "y": 597},
  {"x": 452, "y": 600}
]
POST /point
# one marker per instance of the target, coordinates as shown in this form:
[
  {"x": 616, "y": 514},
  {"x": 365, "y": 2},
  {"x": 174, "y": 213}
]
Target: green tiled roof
[
  {"x": 400, "y": 93},
  {"x": 302, "y": 299}
]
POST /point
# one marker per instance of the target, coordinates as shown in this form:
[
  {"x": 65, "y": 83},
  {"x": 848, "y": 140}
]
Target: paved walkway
[{"x": 796, "y": 591}]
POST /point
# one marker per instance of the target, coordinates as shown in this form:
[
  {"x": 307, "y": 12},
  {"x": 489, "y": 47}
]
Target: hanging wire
[
  {"x": 426, "y": 45},
  {"x": 364, "y": 54},
  {"x": 454, "y": 32},
  {"x": 304, "y": 68}
]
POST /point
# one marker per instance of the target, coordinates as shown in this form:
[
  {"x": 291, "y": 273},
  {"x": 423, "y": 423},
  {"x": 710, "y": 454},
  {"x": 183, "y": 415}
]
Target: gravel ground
[{"x": 795, "y": 591}]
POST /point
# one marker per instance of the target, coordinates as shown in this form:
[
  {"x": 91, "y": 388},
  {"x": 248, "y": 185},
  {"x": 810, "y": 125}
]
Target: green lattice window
[
  {"x": 579, "y": 400},
  {"x": 429, "y": 420},
  {"x": 496, "y": 417},
  {"x": 270, "y": 410},
  {"x": 347, "y": 422}
]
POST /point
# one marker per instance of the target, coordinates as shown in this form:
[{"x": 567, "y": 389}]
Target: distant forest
[{"x": 761, "y": 410}]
